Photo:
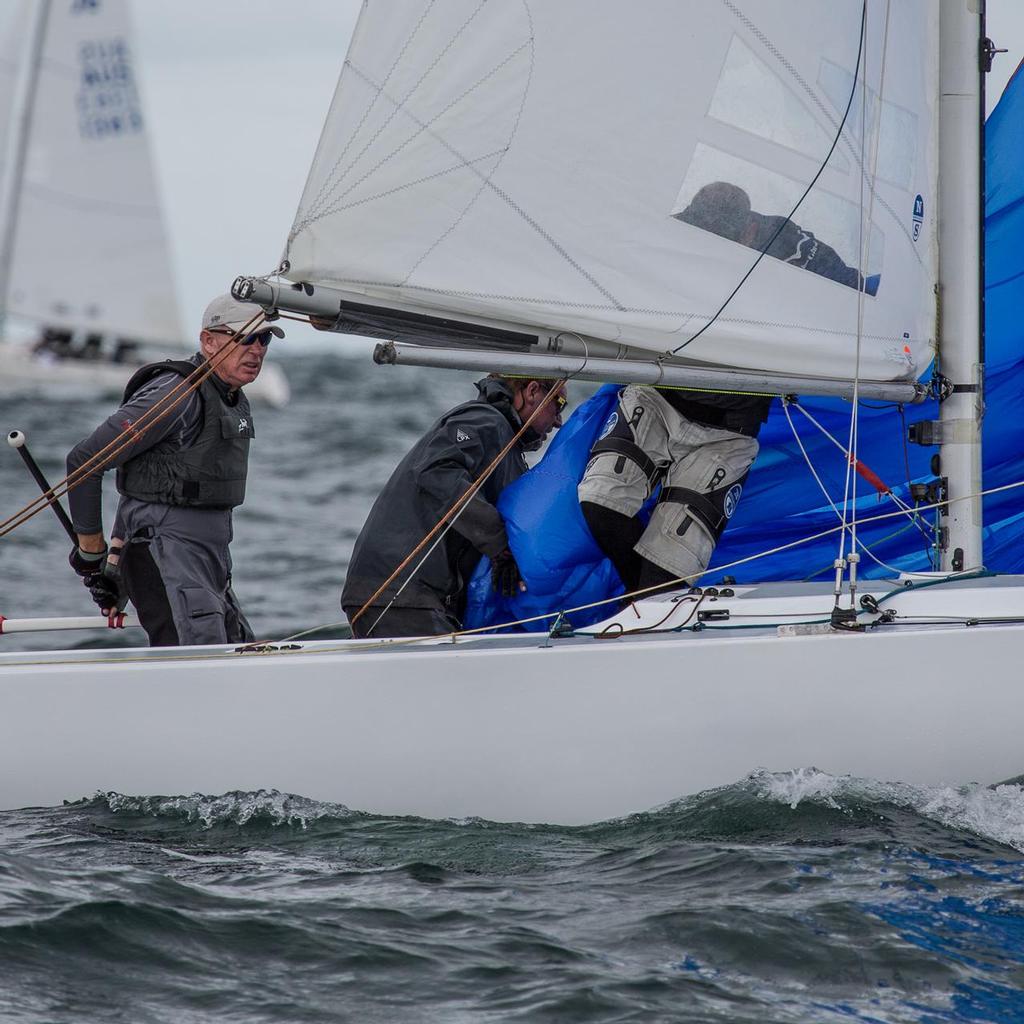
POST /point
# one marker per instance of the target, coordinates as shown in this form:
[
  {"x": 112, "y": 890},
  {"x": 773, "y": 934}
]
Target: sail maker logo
[{"x": 918, "y": 216}]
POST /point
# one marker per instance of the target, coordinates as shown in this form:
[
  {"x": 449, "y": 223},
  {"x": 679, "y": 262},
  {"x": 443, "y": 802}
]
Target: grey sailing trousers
[{"x": 688, "y": 456}]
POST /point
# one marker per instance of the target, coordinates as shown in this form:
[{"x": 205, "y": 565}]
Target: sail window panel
[
  {"x": 746, "y": 204},
  {"x": 895, "y": 126},
  {"x": 754, "y": 98}
]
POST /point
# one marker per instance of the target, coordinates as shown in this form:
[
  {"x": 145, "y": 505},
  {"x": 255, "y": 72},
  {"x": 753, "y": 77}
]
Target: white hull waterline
[
  {"x": 521, "y": 728},
  {"x": 26, "y": 374}
]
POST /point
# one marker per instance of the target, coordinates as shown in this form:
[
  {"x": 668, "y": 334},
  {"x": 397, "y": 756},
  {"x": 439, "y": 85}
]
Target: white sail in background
[
  {"x": 13, "y": 31},
  {"x": 524, "y": 162},
  {"x": 90, "y": 249}
]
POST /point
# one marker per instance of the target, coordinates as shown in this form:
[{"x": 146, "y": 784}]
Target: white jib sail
[
  {"x": 90, "y": 248},
  {"x": 613, "y": 168}
]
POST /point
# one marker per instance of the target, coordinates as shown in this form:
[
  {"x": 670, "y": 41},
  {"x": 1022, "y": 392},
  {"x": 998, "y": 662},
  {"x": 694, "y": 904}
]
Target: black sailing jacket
[{"x": 438, "y": 470}]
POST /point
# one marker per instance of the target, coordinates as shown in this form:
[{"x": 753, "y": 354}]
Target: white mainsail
[
  {"x": 13, "y": 31},
  {"x": 90, "y": 248},
  {"x": 526, "y": 164}
]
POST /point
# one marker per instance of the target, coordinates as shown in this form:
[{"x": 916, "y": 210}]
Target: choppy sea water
[
  {"x": 788, "y": 897},
  {"x": 794, "y": 897}
]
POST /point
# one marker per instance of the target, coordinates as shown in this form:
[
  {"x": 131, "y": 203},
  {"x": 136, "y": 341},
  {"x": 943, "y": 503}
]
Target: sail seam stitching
[
  {"x": 317, "y": 211},
  {"x": 498, "y": 191},
  {"x": 485, "y": 179},
  {"x": 334, "y": 179},
  {"x": 424, "y": 126}
]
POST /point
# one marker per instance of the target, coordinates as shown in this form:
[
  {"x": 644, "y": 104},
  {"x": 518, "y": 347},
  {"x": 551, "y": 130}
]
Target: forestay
[
  {"x": 547, "y": 164},
  {"x": 90, "y": 248}
]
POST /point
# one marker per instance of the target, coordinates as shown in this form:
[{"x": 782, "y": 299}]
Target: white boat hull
[{"x": 514, "y": 729}]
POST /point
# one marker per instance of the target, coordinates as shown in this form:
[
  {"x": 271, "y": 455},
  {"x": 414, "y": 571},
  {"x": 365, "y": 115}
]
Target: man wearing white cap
[{"x": 179, "y": 479}]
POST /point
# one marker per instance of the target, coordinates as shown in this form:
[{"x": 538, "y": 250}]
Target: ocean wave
[
  {"x": 991, "y": 812},
  {"x": 261, "y": 807}
]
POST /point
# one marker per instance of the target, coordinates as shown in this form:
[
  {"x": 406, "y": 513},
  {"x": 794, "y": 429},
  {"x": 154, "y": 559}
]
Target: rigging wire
[
  {"x": 824, "y": 490},
  {"x": 864, "y": 225},
  {"x": 911, "y": 511}
]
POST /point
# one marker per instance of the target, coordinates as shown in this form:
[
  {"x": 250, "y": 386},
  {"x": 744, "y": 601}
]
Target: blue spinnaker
[{"x": 782, "y": 503}]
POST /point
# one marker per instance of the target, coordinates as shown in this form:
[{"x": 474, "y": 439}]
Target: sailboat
[
  {"x": 502, "y": 186},
  {"x": 84, "y": 252}
]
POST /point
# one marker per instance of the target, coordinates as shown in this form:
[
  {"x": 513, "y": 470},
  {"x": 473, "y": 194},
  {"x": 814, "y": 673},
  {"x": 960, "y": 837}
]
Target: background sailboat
[{"x": 84, "y": 250}]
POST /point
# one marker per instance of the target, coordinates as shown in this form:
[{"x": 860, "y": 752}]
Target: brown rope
[
  {"x": 463, "y": 500},
  {"x": 159, "y": 411}
]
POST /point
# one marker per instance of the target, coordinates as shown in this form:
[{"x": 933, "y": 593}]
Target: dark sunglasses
[
  {"x": 560, "y": 400},
  {"x": 263, "y": 337}
]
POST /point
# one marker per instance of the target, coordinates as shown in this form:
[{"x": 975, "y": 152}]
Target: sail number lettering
[{"x": 107, "y": 98}]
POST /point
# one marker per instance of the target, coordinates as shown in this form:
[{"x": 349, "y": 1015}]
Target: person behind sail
[
  {"x": 436, "y": 472},
  {"x": 724, "y": 209},
  {"x": 179, "y": 482}
]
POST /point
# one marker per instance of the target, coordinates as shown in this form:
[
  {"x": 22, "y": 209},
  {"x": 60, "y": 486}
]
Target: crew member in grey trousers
[{"x": 179, "y": 482}]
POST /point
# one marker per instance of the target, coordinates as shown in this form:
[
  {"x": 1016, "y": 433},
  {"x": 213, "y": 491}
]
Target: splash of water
[
  {"x": 995, "y": 813},
  {"x": 234, "y": 808}
]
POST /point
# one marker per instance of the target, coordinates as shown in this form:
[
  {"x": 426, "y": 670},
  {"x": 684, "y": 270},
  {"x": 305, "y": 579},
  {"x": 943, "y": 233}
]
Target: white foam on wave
[
  {"x": 236, "y": 808},
  {"x": 995, "y": 812}
]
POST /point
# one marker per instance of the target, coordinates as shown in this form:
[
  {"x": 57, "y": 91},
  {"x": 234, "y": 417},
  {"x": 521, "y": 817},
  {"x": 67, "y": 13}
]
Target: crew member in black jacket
[
  {"x": 436, "y": 472},
  {"x": 179, "y": 481}
]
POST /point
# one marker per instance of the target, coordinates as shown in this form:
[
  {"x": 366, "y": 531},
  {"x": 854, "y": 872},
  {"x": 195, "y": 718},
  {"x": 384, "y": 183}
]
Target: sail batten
[{"x": 580, "y": 165}]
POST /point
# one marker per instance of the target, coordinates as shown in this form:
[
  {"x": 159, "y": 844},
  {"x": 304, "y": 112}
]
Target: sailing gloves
[
  {"x": 505, "y": 576},
  {"x": 101, "y": 578}
]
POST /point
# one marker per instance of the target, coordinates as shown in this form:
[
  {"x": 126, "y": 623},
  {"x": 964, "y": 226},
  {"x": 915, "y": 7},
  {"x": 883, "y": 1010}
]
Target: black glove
[
  {"x": 87, "y": 563},
  {"x": 505, "y": 576},
  {"x": 101, "y": 579}
]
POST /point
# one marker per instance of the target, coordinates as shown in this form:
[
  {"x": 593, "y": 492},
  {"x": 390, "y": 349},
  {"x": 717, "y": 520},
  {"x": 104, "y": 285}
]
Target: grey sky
[{"x": 237, "y": 92}]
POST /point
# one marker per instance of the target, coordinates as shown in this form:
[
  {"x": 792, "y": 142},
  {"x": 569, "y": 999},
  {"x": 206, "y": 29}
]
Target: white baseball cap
[{"x": 225, "y": 311}]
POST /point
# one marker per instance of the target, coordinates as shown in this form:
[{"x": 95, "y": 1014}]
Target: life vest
[
  {"x": 211, "y": 472},
  {"x": 548, "y": 535}
]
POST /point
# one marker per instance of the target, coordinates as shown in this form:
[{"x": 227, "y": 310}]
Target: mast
[
  {"x": 961, "y": 31},
  {"x": 24, "y": 104}
]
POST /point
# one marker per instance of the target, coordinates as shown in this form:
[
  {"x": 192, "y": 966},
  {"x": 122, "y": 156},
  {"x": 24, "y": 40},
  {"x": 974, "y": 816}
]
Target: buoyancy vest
[{"x": 211, "y": 472}]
